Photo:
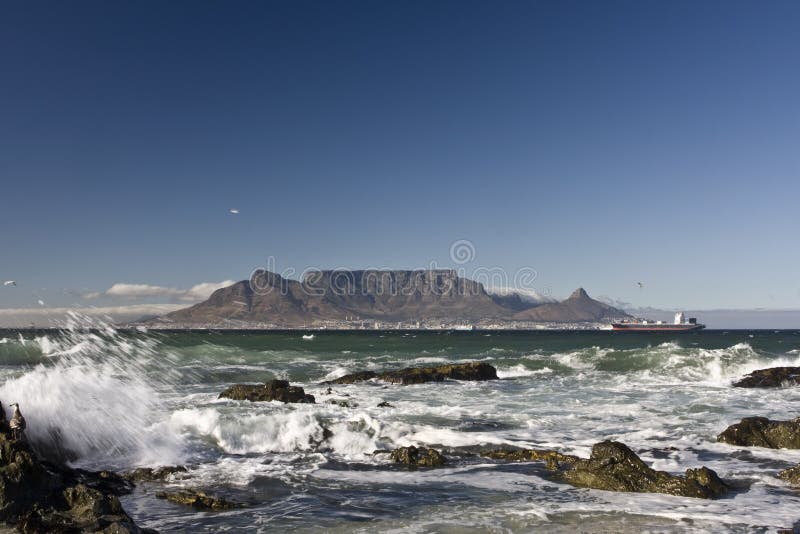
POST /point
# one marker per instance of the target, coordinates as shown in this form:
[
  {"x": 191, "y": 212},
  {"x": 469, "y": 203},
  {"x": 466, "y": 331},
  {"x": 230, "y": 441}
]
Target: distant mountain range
[{"x": 340, "y": 298}]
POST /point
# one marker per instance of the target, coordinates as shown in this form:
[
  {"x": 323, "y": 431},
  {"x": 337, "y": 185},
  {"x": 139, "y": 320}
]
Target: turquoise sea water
[{"x": 106, "y": 399}]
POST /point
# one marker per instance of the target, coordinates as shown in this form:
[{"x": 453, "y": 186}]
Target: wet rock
[
  {"x": 197, "y": 499},
  {"x": 321, "y": 443},
  {"x": 152, "y": 474},
  {"x": 554, "y": 460},
  {"x": 342, "y": 402},
  {"x": 421, "y": 375},
  {"x": 37, "y": 497},
  {"x": 613, "y": 466},
  {"x": 791, "y": 475},
  {"x": 763, "y": 432},
  {"x": 106, "y": 482},
  {"x": 385, "y": 404},
  {"x": 774, "y": 377},
  {"x": 279, "y": 390},
  {"x": 92, "y": 510},
  {"x": 24, "y": 481},
  {"x": 352, "y": 378},
  {"x": 417, "y": 457}
]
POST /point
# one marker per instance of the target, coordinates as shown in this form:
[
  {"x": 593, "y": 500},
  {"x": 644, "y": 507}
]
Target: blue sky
[{"x": 599, "y": 143}]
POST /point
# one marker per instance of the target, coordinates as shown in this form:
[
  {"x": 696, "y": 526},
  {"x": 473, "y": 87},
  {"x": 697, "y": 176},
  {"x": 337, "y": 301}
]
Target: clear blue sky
[{"x": 600, "y": 143}]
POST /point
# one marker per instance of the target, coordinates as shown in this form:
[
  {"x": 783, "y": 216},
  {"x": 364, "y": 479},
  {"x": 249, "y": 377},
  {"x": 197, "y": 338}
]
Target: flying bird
[
  {"x": 17, "y": 423},
  {"x": 233, "y": 211},
  {"x": 641, "y": 285},
  {"x": 10, "y": 283},
  {"x": 41, "y": 302}
]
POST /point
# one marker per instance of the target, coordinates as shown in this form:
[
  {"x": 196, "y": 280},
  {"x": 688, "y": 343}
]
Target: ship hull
[{"x": 633, "y": 327}]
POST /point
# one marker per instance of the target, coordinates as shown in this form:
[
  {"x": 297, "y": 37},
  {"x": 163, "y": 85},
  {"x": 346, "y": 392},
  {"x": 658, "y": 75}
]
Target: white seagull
[
  {"x": 233, "y": 211},
  {"x": 10, "y": 283}
]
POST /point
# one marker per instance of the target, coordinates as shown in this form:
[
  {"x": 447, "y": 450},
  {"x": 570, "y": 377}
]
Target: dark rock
[
  {"x": 152, "y": 474},
  {"x": 106, "y": 482},
  {"x": 197, "y": 499},
  {"x": 774, "y": 377},
  {"x": 420, "y": 375},
  {"x": 279, "y": 390},
  {"x": 361, "y": 376},
  {"x": 553, "y": 459},
  {"x": 613, "y": 466},
  {"x": 385, "y": 404},
  {"x": 37, "y": 497},
  {"x": 763, "y": 432},
  {"x": 342, "y": 402},
  {"x": 90, "y": 508},
  {"x": 414, "y": 457},
  {"x": 791, "y": 475},
  {"x": 24, "y": 481}
]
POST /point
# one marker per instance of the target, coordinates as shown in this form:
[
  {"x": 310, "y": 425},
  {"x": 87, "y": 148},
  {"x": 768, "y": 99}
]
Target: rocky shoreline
[
  {"x": 37, "y": 496},
  {"x": 611, "y": 466}
]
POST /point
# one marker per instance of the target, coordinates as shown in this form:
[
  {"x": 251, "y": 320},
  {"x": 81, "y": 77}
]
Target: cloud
[
  {"x": 617, "y": 303},
  {"x": 528, "y": 295},
  {"x": 195, "y": 293}
]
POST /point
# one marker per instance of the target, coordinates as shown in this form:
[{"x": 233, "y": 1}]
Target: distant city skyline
[{"x": 153, "y": 152}]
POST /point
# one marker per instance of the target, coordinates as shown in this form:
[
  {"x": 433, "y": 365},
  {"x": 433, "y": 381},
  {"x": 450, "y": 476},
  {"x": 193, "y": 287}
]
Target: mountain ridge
[{"x": 350, "y": 297}]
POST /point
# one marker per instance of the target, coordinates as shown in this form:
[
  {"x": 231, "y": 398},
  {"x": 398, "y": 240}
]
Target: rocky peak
[{"x": 579, "y": 293}]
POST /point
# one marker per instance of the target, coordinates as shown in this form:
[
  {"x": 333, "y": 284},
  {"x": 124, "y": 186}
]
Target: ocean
[{"x": 105, "y": 399}]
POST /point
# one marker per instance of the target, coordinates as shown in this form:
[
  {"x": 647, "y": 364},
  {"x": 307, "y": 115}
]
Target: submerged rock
[
  {"x": 613, "y": 466},
  {"x": 152, "y": 474},
  {"x": 198, "y": 499},
  {"x": 774, "y": 377},
  {"x": 763, "y": 432},
  {"x": 344, "y": 403},
  {"x": 279, "y": 390},
  {"x": 553, "y": 459},
  {"x": 417, "y": 457},
  {"x": 791, "y": 475},
  {"x": 420, "y": 375}
]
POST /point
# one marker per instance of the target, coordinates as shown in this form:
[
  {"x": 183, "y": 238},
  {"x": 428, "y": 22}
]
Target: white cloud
[
  {"x": 530, "y": 296},
  {"x": 140, "y": 290},
  {"x": 195, "y": 293},
  {"x": 203, "y": 291}
]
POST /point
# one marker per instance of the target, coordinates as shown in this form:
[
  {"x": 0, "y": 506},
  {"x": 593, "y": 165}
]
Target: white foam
[
  {"x": 240, "y": 433},
  {"x": 519, "y": 370}
]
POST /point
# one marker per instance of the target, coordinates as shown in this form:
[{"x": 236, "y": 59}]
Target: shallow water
[{"x": 111, "y": 400}]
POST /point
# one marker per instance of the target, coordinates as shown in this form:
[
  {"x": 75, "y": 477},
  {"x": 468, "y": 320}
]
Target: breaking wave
[{"x": 97, "y": 398}]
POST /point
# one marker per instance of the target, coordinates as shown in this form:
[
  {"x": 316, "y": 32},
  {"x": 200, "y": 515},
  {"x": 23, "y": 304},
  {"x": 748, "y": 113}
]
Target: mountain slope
[
  {"x": 339, "y": 295},
  {"x": 578, "y": 308},
  {"x": 270, "y": 300}
]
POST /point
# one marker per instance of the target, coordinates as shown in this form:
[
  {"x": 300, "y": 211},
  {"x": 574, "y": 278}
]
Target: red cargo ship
[{"x": 643, "y": 325}]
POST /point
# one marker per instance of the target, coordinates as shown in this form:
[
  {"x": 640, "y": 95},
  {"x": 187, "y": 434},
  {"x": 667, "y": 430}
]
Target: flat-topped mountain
[{"x": 387, "y": 296}]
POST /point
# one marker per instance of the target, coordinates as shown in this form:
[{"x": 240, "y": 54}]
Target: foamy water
[{"x": 103, "y": 399}]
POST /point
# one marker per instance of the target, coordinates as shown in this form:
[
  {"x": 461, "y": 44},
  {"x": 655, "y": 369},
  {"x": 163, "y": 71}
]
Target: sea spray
[{"x": 96, "y": 400}]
